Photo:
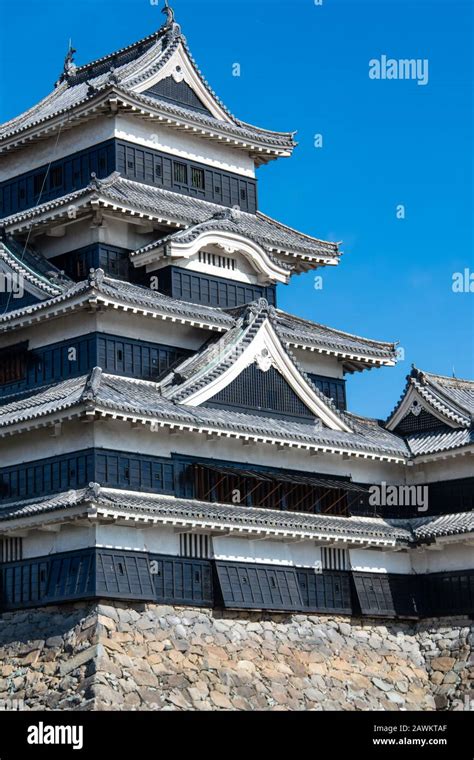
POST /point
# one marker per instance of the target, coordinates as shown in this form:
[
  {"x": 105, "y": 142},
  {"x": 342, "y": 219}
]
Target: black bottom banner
[{"x": 118, "y": 734}]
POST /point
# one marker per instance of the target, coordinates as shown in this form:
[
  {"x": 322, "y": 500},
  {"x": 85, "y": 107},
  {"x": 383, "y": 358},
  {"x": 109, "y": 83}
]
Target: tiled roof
[
  {"x": 300, "y": 332},
  {"x": 110, "y": 291},
  {"x": 435, "y": 441},
  {"x": 170, "y": 507},
  {"x": 458, "y": 393},
  {"x": 34, "y": 268},
  {"x": 426, "y": 528},
  {"x": 328, "y": 340},
  {"x": 182, "y": 210},
  {"x": 138, "y": 399},
  {"x": 120, "y": 73},
  {"x": 207, "y": 515},
  {"x": 449, "y": 397}
]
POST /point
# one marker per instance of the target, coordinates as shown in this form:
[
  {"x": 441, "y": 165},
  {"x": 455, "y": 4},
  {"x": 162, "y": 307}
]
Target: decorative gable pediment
[
  {"x": 182, "y": 70},
  {"x": 428, "y": 403},
  {"x": 250, "y": 367},
  {"x": 419, "y": 420}
]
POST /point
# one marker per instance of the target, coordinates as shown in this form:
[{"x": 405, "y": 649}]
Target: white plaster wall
[
  {"x": 151, "y": 135},
  {"x": 373, "y": 561},
  {"x": 120, "y": 435},
  {"x": 451, "y": 556},
  {"x": 113, "y": 322},
  {"x": 304, "y": 554},
  {"x": 442, "y": 469},
  {"x": 70, "y": 141},
  {"x": 42, "y": 543},
  {"x": 152, "y": 330},
  {"x": 121, "y": 232},
  {"x": 54, "y": 331},
  {"x": 319, "y": 364},
  {"x": 160, "y": 540},
  {"x": 38, "y": 444},
  {"x": 76, "y": 234}
]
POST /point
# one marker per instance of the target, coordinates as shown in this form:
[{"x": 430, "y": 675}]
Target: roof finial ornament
[
  {"x": 69, "y": 65},
  {"x": 169, "y": 14}
]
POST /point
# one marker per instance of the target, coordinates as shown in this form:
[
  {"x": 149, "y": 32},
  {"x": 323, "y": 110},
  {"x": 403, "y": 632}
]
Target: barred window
[
  {"x": 11, "y": 549},
  {"x": 180, "y": 173},
  {"x": 213, "y": 260},
  {"x": 197, "y": 178},
  {"x": 335, "y": 559},
  {"x": 196, "y": 545}
]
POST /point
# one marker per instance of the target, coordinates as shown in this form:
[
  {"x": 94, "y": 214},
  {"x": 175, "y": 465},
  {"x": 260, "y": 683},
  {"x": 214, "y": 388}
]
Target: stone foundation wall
[{"x": 151, "y": 657}]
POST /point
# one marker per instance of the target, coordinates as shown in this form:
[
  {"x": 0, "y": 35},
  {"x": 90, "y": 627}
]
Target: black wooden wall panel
[
  {"x": 374, "y": 594},
  {"x": 255, "y": 586},
  {"x": 211, "y": 290},
  {"x": 47, "y": 476},
  {"x": 447, "y": 593},
  {"x": 124, "y": 575},
  {"x": 115, "y": 262},
  {"x": 182, "y": 581},
  {"x": 115, "y": 574},
  {"x": 134, "y": 162},
  {"x": 78, "y": 356},
  {"x": 327, "y": 591},
  {"x": 63, "y": 176},
  {"x": 178, "y": 174},
  {"x": 388, "y": 594},
  {"x": 48, "y": 580}
]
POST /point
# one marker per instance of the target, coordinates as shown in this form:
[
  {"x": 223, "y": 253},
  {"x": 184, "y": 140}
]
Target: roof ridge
[{"x": 446, "y": 379}]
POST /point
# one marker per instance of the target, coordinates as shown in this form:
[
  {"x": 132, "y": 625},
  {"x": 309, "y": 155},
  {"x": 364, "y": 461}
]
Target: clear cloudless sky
[{"x": 305, "y": 67}]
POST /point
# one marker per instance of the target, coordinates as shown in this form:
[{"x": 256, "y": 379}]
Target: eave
[
  {"x": 114, "y": 99},
  {"x": 97, "y": 410}
]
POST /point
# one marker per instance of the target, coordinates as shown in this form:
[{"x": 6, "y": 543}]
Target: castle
[{"x": 168, "y": 434}]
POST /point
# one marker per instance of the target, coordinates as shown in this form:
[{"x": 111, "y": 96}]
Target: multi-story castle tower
[{"x": 167, "y": 433}]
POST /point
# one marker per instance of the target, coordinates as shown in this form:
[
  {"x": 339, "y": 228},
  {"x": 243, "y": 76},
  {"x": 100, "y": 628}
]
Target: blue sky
[{"x": 305, "y": 67}]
